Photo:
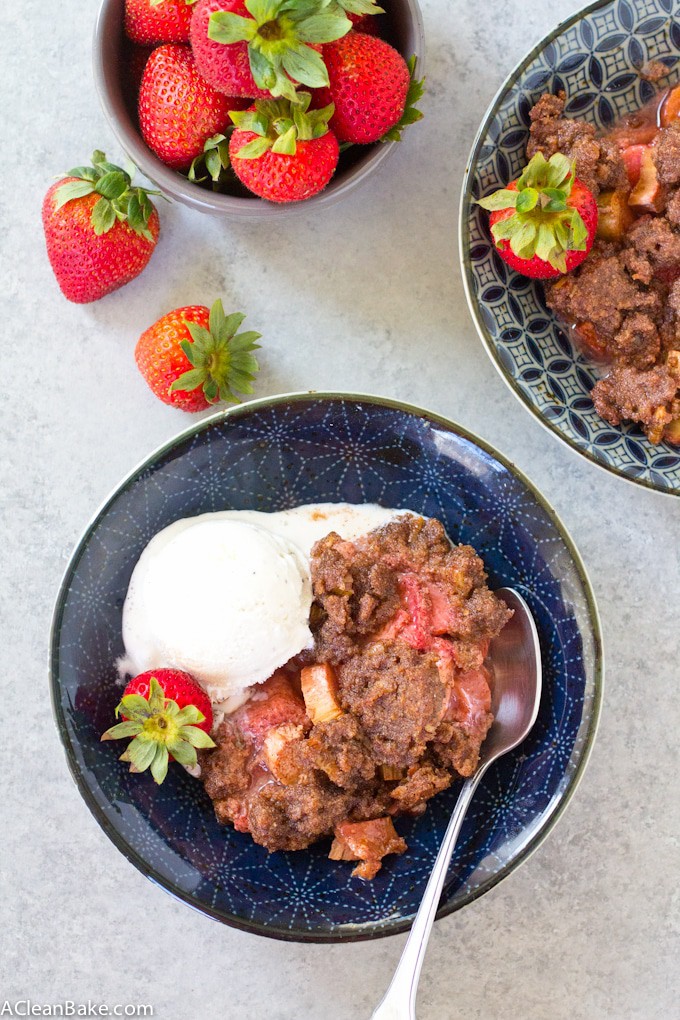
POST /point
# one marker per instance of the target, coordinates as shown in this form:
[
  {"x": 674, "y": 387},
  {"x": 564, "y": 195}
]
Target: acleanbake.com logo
[{"x": 25, "y": 1007}]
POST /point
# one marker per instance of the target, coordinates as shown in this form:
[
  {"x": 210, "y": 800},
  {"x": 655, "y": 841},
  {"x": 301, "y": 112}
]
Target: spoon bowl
[{"x": 515, "y": 696}]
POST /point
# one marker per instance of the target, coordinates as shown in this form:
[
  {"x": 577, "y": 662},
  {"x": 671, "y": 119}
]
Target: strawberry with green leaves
[
  {"x": 178, "y": 109},
  {"x": 543, "y": 224},
  {"x": 148, "y": 22},
  {"x": 100, "y": 231},
  {"x": 283, "y": 151},
  {"x": 372, "y": 88},
  {"x": 192, "y": 357},
  {"x": 262, "y": 48},
  {"x": 168, "y": 715}
]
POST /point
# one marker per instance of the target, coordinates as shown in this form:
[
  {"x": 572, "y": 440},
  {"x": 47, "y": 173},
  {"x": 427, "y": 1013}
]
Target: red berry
[
  {"x": 148, "y": 23},
  {"x": 177, "y": 686},
  {"x": 225, "y": 67},
  {"x": 87, "y": 264},
  {"x": 282, "y": 178},
  {"x": 178, "y": 110},
  {"x": 215, "y": 366},
  {"x": 369, "y": 82}
]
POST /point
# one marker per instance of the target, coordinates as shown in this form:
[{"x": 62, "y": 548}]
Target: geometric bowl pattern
[
  {"x": 592, "y": 57},
  {"x": 277, "y": 453}
]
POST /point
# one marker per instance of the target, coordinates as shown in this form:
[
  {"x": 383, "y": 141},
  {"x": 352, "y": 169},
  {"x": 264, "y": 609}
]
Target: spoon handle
[{"x": 399, "y": 1001}]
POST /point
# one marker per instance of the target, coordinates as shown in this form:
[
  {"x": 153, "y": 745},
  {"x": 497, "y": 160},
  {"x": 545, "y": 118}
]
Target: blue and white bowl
[
  {"x": 593, "y": 57},
  {"x": 277, "y": 453}
]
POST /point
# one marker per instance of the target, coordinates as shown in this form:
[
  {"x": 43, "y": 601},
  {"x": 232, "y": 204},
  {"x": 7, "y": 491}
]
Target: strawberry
[
  {"x": 543, "y": 223},
  {"x": 360, "y": 13},
  {"x": 100, "y": 231},
  {"x": 283, "y": 151},
  {"x": 260, "y": 48},
  {"x": 178, "y": 110},
  {"x": 368, "y": 84},
  {"x": 168, "y": 716},
  {"x": 148, "y": 22},
  {"x": 193, "y": 357}
]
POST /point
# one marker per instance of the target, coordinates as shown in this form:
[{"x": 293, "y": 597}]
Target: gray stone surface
[{"x": 367, "y": 297}]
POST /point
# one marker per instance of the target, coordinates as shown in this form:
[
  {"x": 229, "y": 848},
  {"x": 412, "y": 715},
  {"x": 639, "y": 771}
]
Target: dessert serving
[
  {"x": 339, "y": 658},
  {"x": 612, "y": 271}
]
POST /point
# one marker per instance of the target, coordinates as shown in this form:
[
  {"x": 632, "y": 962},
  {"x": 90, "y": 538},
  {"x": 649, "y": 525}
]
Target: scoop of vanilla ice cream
[{"x": 221, "y": 598}]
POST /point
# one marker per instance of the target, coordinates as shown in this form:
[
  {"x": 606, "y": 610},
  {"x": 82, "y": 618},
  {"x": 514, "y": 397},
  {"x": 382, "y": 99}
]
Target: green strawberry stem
[
  {"x": 213, "y": 162},
  {"x": 119, "y": 201},
  {"x": 543, "y": 224},
  {"x": 278, "y": 33},
  {"x": 222, "y": 360},
  {"x": 159, "y": 728},
  {"x": 280, "y": 125},
  {"x": 416, "y": 91}
]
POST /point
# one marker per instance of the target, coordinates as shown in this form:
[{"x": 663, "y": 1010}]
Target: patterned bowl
[
  {"x": 593, "y": 57},
  {"x": 281, "y": 452}
]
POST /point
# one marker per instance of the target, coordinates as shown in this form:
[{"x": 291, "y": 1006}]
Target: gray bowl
[{"x": 406, "y": 34}]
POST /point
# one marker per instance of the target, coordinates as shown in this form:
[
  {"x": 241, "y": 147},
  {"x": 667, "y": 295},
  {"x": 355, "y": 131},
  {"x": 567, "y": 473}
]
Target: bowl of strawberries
[{"x": 245, "y": 108}]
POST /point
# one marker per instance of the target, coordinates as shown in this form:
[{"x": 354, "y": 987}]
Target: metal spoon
[{"x": 516, "y": 693}]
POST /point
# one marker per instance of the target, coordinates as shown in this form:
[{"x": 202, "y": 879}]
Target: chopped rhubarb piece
[
  {"x": 648, "y": 195},
  {"x": 670, "y": 108},
  {"x": 271, "y": 704},
  {"x": 274, "y": 743},
  {"x": 416, "y": 632},
  {"x": 319, "y": 691},
  {"x": 366, "y": 842},
  {"x": 391, "y": 772},
  {"x": 470, "y": 699},
  {"x": 614, "y": 215},
  {"x": 590, "y": 342},
  {"x": 632, "y": 159}
]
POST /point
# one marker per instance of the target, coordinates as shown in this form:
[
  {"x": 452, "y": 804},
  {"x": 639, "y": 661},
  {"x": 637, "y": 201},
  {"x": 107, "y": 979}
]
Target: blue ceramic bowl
[
  {"x": 277, "y": 453},
  {"x": 593, "y": 57}
]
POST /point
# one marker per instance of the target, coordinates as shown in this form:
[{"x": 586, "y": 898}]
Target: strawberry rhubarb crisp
[
  {"x": 387, "y": 709},
  {"x": 330, "y": 676}
]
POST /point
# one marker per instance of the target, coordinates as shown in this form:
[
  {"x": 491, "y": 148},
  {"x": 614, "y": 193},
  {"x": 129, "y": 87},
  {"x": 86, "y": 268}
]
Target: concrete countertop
[{"x": 367, "y": 296}]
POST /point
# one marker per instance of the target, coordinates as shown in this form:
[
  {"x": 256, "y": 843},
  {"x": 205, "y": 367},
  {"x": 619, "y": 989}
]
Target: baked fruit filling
[
  {"x": 390, "y": 706},
  {"x": 622, "y": 304}
]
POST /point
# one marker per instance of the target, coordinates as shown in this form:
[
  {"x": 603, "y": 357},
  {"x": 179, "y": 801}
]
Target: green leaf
[
  {"x": 579, "y": 235},
  {"x": 189, "y": 715},
  {"x": 134, "y": 706},
  {"x": 523, "y": 237},
  {"x": 197, "y": 737},
  {"x": 545, "y": 242},
  {"x": 190, "y": 380},
  {"x": 526, "y": 200},
  {"x": 361, "y": 6},
  {"x": 245, "y": 341},
  {"x": 200, "y": 336},
  {"x": 70, "y": 191},
  {"x": 156, "y": 697},
  {"x": 130, "y": 728},
  {"x": 210, "y": 391},
  {"x": 103, "y": 216},
  {"x": 159, "y": 764},
  {"x": 263, "y": 10},
  {"x": 559, "y": 169},
  {"x": 225, "y": 27},
  {"x": 254, "y": 149},
  {"x": 113, "y": 184},
  {"x": 504, "y": 198},
  {"x": 85, "y": 173},
  {"x": 323, "y": 28},
  {"x": 140, "y": 753},
  {"x": 182, "y": 751},
  {"x": 306, "y": 66},
  {"x": 231, "y": 324},
  {"x": 557, "y": 200},
  {"x": 286, "y": 143},
  {"x": 262, "y": 69},
  {"x": 213, "y": 164}
]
